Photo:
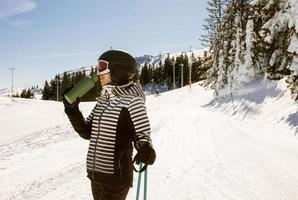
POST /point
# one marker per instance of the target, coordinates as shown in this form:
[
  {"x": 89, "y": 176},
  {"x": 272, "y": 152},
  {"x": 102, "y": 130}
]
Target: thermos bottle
[{"x": 81, "y": 88}]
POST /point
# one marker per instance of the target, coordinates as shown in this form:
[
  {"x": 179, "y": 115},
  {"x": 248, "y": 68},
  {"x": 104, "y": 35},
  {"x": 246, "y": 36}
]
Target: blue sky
[{"x": 44, "y": 37}]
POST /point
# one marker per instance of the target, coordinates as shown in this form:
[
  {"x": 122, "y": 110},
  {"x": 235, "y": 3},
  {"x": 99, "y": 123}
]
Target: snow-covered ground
[{"x": 234, "y": 148}]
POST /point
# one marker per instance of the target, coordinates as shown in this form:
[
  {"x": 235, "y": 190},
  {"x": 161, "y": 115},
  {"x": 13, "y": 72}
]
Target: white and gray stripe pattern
[{"x": 104, "y": 118}]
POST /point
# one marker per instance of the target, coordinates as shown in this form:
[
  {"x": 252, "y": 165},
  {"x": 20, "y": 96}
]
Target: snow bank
[{"x": 260, "y": 99}]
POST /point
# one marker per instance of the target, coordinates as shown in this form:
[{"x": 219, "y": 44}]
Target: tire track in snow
[
  {"x": 207, "y": 170},
  {"x": 48, "y": 183},
  {"x": 39, "y": 139},
  {"x": 45, "y": 171},
  {"x": 28, "y": 163}
]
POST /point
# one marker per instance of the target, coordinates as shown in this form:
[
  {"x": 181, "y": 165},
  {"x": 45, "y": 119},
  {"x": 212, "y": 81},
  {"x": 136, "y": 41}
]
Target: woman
[{"x": 118, "y": 120}]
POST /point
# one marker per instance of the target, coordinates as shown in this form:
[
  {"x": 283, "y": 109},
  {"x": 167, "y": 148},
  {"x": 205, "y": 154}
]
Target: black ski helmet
[{"x": 122, "y": 66}]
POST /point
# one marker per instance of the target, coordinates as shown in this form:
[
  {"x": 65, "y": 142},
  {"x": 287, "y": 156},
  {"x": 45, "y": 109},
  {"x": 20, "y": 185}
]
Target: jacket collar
[{"x": 112, "y": 91}]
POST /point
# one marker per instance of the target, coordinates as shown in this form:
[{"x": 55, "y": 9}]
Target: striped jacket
[{"x": 118, "y": 119}]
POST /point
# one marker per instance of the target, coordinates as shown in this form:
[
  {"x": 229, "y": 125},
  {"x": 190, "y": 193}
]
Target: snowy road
[
  {"x": 202, "y": 153},
  {"x": 215, "y": 156}
]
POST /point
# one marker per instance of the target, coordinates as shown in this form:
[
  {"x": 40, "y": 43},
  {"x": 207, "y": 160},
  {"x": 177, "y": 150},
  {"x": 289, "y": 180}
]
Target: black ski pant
[{"x": 108, "y": 191}]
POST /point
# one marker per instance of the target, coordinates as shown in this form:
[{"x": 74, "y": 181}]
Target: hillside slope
[{"x": 206, "y": 149}]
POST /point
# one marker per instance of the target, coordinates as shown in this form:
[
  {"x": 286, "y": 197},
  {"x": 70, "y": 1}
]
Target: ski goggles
[{"x": 103, "y": 67}]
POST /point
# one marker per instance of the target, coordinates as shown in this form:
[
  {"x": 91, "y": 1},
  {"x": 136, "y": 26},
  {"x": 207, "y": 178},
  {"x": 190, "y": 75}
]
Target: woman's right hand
[{"x": 67, "y": 105}]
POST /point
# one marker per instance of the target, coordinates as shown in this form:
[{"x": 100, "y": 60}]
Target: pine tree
[
  {"x": 29, "y": 94},
  {"x": 46, "y": 91},
  {"x": 26, "y": 93},
  {"x": 276, "y": 34},
  {"x": 95, "y": 91},
  {"x": 145, "y": 77},
  {"x": 254, "y": 38},
  {"x": 158, "y": 75},
  {"x": 17, "y": 95},
  {"x": 199, "y": 71},
  {"x": 248, "y": 70},
  {"x": 66, "y": 82},
  {"x": 185, "y": 69},
  {"x": 207, "y": 62},
  {"x": 151, "y": 73},
  {"x": 240, "y": 7},
  {"x": 23, "y": 93},
  {"x": 293, "y": 83},
  {"x": 213, "y": 22},
  {"x": 195, "y": 74},
  {"x": 163, "y": 74},
  {"x": 79, "y": 75},
  {"x": 228, "y": 48},
  {"x": 216, "y": 40},
  {"x": 178, "y": 67},
  {"x": 168, "y": 70},
  {"x": 53, "y": 89}
]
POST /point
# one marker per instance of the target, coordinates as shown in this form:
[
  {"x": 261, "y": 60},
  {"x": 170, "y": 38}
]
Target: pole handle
[{"x": 141, "y": 168}]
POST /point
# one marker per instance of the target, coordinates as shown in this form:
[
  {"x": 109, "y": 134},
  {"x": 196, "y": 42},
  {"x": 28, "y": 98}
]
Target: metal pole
[
  {"x": 57, "y": 88},
  {"x": 12, "y": 82},
  {"x": 190, "y": 76},
  {"x": 174, "y": 84},
  {"x": 145, "y": 183},
  {"x": 139, "y": 182},
  {"x": 12, "y": 70},
  {"x": 181, "y": 75},
  {"x": 190, "y": 68}
]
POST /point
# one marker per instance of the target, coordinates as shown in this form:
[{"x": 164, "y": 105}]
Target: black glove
[
  {"x": 146, "y": 155},
  {"x": 70, "y": 107}
]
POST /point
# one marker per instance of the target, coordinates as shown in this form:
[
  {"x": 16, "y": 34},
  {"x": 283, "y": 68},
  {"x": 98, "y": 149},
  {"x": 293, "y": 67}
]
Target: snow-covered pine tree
[
  {"x": 230, "y": 49},
  {"x": 224, "y": 52},
  {"x": 259, "y": 47},
  {"x": 248, "y": 71},
  {"x": 212, "y": 39},
  {"x": 277, "y": 33},
  {"x": 260, "y": 39},
  {"x": 240, "y": 8},
  {"x": 293, "y": 49}
]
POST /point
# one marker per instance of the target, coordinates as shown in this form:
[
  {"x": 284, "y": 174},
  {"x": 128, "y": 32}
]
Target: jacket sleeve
[
  {"x": 140, "y": 122},
  {"x": 78, "y": 122}
]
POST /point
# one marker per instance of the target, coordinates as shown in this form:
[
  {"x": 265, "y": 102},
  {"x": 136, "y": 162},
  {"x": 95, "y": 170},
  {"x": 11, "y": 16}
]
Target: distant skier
[
  {"x": 118, "y": 119},
  {"x": 157, "y": 91}
]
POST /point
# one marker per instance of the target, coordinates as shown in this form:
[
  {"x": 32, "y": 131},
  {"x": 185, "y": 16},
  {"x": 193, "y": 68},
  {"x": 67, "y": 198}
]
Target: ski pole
[
  {"x": 139, "y": 181},
  {"x": 232, "y": 98},
  {"x": 145, "y": 184}
]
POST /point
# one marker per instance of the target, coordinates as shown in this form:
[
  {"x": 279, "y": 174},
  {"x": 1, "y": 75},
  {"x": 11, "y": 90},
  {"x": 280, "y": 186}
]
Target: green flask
[{"x": 81, "y": 88}]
